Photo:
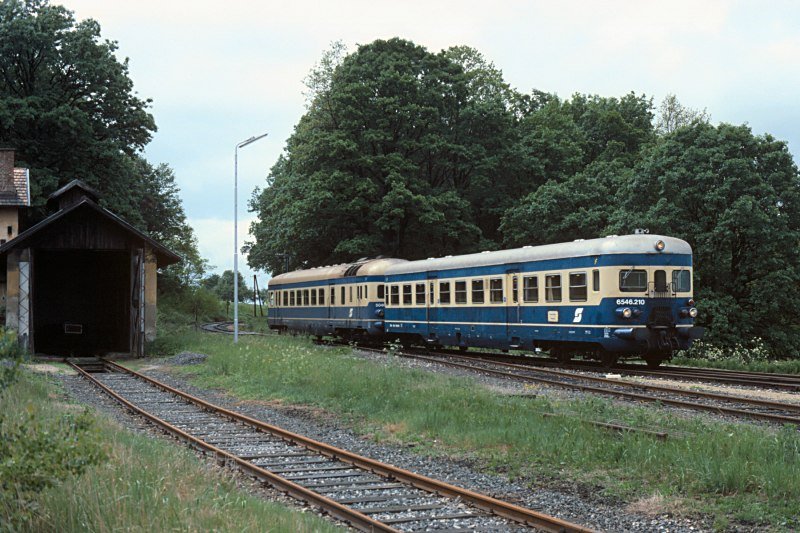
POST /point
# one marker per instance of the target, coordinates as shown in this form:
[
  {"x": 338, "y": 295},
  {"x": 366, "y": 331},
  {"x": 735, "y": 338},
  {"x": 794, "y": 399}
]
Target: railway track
[
  {"x": 737, "y": 406},
  {"x": 227, "y": 327},
  {"x": 367, "y": 494},
  {"x": 788, "y": 382}
]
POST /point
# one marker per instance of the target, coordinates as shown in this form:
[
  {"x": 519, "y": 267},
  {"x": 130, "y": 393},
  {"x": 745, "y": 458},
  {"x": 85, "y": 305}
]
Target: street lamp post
[{"x": 236, "y": 232}]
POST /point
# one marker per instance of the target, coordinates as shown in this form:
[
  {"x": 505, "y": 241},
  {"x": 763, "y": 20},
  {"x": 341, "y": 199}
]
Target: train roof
[
  {"x": 623, "y": 244},
  {"x": 366, "y": 267}
]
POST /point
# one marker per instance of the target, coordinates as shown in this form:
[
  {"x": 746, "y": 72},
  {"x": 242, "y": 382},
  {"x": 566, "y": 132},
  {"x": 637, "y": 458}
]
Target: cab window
[
  {"x": 633, "y": 280},
  {"x": 681, "y": 280},
  {"x": 577, "y": 287},
  {"x": 552, "y": 288},
  {"x": 380, "y": 292}
]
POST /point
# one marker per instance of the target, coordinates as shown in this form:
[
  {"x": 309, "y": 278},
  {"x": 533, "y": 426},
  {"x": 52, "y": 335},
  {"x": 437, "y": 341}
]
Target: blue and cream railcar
[
  {"x": 343, "y": 300},
  {"x": 603, "y": 298}
]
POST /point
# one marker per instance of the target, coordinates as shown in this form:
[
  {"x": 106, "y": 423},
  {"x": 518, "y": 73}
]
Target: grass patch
[
  {"x": 789, "y": 366},
  {"x": 738, "y": 472},
  {"x": 142, "y": 484}
]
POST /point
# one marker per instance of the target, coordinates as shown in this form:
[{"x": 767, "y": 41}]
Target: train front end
[{"x": 650, "y": 307}]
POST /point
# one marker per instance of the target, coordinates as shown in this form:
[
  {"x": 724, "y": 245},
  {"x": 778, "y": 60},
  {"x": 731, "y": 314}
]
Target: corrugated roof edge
[{"x": 603, "y": 246}]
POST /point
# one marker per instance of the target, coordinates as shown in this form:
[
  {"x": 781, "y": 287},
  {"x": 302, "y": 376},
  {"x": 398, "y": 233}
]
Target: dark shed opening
[{"x": 80, "y": 305}]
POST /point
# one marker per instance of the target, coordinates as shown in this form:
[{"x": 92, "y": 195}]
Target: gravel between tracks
[{"x": 570, "y": 502}]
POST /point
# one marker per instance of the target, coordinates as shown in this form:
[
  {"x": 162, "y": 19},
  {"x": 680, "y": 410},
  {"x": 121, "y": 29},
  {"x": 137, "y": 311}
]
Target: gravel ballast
[{"x": 572, "y": 502}]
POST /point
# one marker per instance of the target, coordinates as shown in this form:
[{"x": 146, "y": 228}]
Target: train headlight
[
  {"x": 693, "y": 312},
  {"x": 624, "y": 312},
  {"x": 690, "y": 303},
  {"x": 660, "y": 245}
]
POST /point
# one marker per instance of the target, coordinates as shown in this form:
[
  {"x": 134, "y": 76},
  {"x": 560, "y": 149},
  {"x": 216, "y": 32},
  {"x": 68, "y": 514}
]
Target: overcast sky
[{"x": 220, "y": 72}]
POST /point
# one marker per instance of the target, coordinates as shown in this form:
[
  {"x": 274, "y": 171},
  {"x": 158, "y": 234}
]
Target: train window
[
  {"x": 366, "y": 292},
  {"x": 333, "y": 295},
  {"x": 285, "y": 298},
  {"x": 515, "y": 289},
  {"x": 358, "y": 292},
  {"x": 313, "y": 296},
  {"x": 407, "y": 295},
  {"x": 477, "y": 291},
  {"x": 305, "y": 297},
  {"x": 432, "y": 297},
  {"x": 461, "y": 292},
  {"x": 394, "y": 295},
  {"x": 342, "y": 300},
  {"x": 577, "y": 287},
  {"x": 380, "y": 292},
  {"x": 552, "y": 288},
  {"x": 321, "y": 296},
  {"x": 595, "y": 280},
  {"x": 496, "y": 291},
  {"x": 633, "y": 280},
  {"x": 681, "y": 280},
  {"x": 272, "y": 298},
  {"x": 530, "y": 289},
  {"x": 350, "y": 295},
  {"x": 291, "y": 298},
  {"x": 444, "y": 292},
  {"x": 419, "y": 297}
]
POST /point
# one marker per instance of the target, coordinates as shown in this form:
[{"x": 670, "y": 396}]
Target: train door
[
  {"x": 513, "y": 297},
  {"x": 431, "y": 305},
  {"x": 330, "y": 301}
]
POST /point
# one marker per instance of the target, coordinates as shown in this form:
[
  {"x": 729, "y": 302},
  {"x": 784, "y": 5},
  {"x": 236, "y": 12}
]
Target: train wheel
[
  {"x": 561, "y": 355},
  {"x": 609, "y": 359},
  {"x": 654, "y": 359}
]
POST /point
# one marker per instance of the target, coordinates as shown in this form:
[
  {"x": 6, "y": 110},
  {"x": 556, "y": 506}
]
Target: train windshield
[{"x": 633, "y": 280}]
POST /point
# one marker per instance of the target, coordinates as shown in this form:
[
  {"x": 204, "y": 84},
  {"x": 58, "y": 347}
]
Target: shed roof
[
  {"x": 164, "y": 256},
  {"x": 89, "y": 191}
]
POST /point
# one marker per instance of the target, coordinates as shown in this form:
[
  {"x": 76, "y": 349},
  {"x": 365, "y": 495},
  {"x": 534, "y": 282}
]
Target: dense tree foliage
[
  {"x": 222, "y": 287},
  {"x": 67, "y": 106},
  {"x": 408, "y": 153},
  {"x": 735, "y": 198}
]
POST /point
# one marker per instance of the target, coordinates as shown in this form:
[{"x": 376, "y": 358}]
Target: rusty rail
[{"x": 361, "y": 521}]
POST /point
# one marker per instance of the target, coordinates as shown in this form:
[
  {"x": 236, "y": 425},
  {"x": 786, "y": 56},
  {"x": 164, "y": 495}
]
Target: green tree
[
  {"x": 673, "y": 115},
  {"x": 222, "y": 286},
  {"x": 735, "y": 197},
  {"x": 68, "y": 107},
  {"x": 579, "y": 207},
  {"x": 67, "y": 104},
  {"x": 380, "y": 163}
]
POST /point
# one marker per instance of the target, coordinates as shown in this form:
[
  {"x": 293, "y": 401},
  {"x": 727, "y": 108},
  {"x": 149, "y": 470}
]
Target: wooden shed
[{"x": 83, "y": 280}]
